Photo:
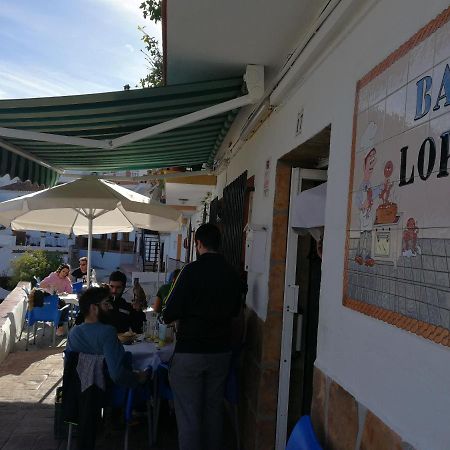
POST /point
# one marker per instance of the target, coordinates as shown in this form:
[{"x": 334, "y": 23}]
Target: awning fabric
[
  {"x": 110, "y": 115},
  {"x": 17, "y": 166}
]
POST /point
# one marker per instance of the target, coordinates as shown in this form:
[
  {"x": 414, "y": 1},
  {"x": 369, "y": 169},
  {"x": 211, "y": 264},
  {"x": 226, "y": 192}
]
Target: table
[
  {"x": 148, "y": 354},
  {"x": 71, "y": 299}
]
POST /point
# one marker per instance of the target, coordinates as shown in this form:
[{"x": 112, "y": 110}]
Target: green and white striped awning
[{"x": 105, "y": 117}]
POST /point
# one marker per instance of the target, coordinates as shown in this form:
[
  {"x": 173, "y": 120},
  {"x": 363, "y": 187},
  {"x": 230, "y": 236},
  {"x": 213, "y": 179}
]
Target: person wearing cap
[
  {"x": 205, "y": 298},
  {"x": 96, "y": 337},
  {"x": 366, "y": 196}
]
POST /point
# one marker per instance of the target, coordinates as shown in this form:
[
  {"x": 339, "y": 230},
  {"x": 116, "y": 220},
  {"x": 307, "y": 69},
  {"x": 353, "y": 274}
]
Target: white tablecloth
[
  {"x": 147, "y": 354},
  {"x": 69, "y": 298}
]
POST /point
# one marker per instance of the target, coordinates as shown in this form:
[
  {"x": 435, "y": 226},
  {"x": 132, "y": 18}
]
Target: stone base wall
[
  {"x": 12, "y": 315},
  {"x": 342, "y": 423}
]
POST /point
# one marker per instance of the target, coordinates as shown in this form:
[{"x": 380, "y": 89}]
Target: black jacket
[{"x": 204, "y": 299}]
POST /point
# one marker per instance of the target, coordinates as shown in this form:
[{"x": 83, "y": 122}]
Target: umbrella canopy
[
  {"x": 66, "y": 209},
  {"x": 87, "y": 206}
]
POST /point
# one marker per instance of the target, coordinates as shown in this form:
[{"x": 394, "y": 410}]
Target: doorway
[{"x": 301, "y": 294}]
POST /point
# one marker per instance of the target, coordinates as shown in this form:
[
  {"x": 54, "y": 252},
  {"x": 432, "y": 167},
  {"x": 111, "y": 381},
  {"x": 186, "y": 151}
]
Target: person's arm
[
  {"x": 68, "y": 287},
  {"x": 47, "y": 281},
  {"x": 157, "y": 306},
  {"x": 114, "y": 354},
  {"x": 178, "y": 297}
]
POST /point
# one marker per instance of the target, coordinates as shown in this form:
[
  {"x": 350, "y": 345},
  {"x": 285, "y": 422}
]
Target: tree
[
  {"x": 152, "y": 52},
  {"x": 39, "y": 263}
]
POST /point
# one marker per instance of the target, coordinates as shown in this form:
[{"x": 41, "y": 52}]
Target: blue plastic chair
[
  {"x": 48, "y": 312},
  {"x": 77, "y": 287},
  {"x": 138, "y": 396},
  {"x": 303, "y": 436}
]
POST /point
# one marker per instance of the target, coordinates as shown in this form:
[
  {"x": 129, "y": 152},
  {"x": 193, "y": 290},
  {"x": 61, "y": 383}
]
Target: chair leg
[
  {"x": 54, "y": 334},
  {"x": 43, "y": 329},
  {"x": 34, "y": 333},
  {"x": 69, "y": 437},
  {"x": 28, "y": 337}
]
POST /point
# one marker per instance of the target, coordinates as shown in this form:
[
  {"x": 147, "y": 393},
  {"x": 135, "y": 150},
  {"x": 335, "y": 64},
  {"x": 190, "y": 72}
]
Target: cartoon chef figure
[{"x": 365, "y": 199}]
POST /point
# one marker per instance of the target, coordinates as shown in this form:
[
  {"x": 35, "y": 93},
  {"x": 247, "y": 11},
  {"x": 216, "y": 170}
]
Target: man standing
[
  {"x": 120, "y": 315},
  {"x": 204, "y": 299}
]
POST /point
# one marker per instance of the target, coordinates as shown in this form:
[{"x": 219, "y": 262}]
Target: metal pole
[
  {"x": 88, "y": 273},
  {"x": 159, "y": 262}
]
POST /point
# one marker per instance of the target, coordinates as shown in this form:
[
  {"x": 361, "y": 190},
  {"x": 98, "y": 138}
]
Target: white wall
[{"x": 400, "y": 377}]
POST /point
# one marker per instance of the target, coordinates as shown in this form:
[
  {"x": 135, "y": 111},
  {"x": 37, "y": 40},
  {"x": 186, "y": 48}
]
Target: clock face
[{"x": 382, "y": 247}]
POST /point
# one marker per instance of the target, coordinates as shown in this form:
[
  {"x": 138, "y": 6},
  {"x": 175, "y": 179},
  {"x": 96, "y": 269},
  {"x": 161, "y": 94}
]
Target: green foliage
[
  {"x": 38, "y": 263},
  {"x": 152, "y": 52},
  {"x": 151, "y": 9},
  {"x": 155, "y": 62}
]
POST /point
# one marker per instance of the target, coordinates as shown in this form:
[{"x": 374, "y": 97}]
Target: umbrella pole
[{"x": 89, "y": 249}]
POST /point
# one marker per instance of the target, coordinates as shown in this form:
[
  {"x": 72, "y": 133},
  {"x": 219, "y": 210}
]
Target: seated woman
[{"x": 59, "y": 282}]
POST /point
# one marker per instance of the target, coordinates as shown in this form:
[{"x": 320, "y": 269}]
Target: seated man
[
  {"x": 80, "y": 272},
  {"x": 120, "y": 315},
  {"x": 95, "y": 337}
]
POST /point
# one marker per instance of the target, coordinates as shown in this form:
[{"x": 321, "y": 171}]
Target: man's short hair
[
  {"x": 92, "y": 296},
  {"x": 83, "y": 258},
  {"x": 118, "y": 276},
  {"x": 209, "y": 235}
]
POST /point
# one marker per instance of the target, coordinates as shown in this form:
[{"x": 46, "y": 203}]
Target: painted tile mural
[{"x": 398, "y": 238}]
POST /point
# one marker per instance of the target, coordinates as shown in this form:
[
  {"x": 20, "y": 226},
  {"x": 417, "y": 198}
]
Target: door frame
[{"x": 290, "y": 306}]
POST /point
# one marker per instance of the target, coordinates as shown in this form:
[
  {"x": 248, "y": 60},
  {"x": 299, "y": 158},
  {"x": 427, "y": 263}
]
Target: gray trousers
[{"x": 198, "y": 385}]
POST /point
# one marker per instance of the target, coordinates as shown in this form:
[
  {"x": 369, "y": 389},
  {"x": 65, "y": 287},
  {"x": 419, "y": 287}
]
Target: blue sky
[{"x": 65, "y": 47}]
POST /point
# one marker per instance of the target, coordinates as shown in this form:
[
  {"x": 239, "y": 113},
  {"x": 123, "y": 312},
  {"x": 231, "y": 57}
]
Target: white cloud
[
  {"x": 129, "y": 47},
  {"x": 17, "y": 82}
]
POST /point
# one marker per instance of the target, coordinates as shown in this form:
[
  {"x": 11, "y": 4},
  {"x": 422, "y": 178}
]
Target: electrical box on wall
[{"x": 255, "y": 248}]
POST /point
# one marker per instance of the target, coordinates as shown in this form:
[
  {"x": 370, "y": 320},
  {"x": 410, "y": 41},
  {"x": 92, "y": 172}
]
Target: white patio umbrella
[{"x": 87, "y": 206}]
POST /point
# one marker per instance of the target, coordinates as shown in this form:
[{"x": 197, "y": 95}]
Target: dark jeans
[{"x": 198, "y": 384}]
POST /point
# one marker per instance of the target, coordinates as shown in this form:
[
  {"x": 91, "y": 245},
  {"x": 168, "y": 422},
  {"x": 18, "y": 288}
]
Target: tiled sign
[{"x": 398, "y": 237}]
